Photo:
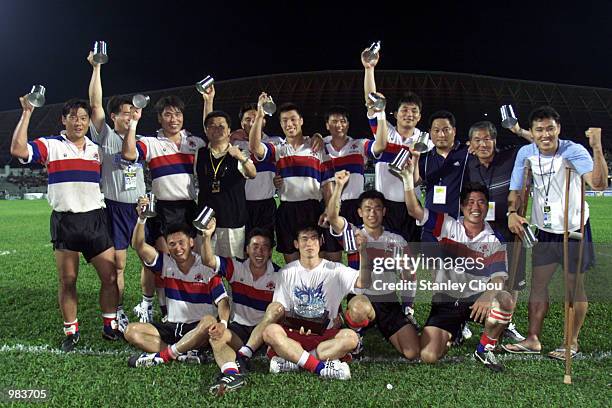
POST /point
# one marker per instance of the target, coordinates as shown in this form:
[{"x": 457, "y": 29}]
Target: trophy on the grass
[{"x": 309, "y": 312}]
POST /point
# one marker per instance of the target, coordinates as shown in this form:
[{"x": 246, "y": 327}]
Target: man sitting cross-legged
[
  {"x": 192, "y": 290},
  {"x": 253, "y": 282},
  {"x": 307, "y": 284}
]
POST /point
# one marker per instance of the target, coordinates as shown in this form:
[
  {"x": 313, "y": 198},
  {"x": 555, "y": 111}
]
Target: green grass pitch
[{"x": 98, "y": 374}]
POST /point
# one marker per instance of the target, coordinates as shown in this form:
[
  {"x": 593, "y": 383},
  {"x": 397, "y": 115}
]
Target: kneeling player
[
  {"x": 310, "y": 283},
  {"x": 470, "y": 237},
  {"x": 191, "y": 289},
  {"x": 253, "y": 282},
  {"x": 394, "y": 321}
]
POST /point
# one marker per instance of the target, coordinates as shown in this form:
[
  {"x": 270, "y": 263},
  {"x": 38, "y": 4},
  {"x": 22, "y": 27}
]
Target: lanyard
[
  {"x": 550, "y": 174},
  {"x": 212, "y": 163}
]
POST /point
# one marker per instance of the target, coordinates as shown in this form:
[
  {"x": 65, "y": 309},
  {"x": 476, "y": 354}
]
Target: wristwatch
[{"x": 510, "y": 212}]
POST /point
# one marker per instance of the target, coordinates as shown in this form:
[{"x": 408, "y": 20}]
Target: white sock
[{"x": 303, "y": 358}]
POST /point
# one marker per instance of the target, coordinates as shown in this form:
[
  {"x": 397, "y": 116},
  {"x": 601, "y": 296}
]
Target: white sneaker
[
  {"x": 145, "y": 360},
  {"x": 280, "y": 365},
  {"x": 513, "y": 334},
  {"x": 144, "y": 312},
  {"x": 122, "y": 320},
  {"x": 334, "y": 369}
]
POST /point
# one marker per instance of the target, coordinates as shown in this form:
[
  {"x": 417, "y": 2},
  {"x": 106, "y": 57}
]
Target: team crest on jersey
[
  {"x": 199, "y": 277},
  {"x": 354, "y": 146},
  {"x": 271, "y": 286},
  {"x": 96, "y": 156}
]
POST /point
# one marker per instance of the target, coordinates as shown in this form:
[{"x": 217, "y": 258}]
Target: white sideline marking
[
  {"x": 3, "y": 253},
  {"x": 45, "y": 349}
]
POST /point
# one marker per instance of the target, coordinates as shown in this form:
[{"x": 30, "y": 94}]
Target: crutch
[
  {"x": 517, "y": 246},
  {"x": 570, "y": 292}
]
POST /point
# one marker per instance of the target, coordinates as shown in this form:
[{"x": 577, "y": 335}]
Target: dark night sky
[{"x": 154, "y": 45}]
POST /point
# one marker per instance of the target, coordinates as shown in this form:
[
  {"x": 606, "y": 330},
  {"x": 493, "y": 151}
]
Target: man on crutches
[{"x": 548, "y": 158}]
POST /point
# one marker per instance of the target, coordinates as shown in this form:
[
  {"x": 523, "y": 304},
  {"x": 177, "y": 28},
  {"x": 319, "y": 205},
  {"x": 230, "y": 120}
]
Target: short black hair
[
  {"x": 289, "y": 106},
  {"x": 307, "y": 227},
  {"x": 544, "y": 112},
  {"x": 75, "y": 104},
  {"x": 483, "y": 125},
  {"x": 372, "y": 195},
  {"x": 471, "y": 187},
  {"x": 245, "y": 108},
  {"x": 261, "y": 232},
  {"x": 218, "y": 114},
  {"x": 115, "y": 103},
  {"x": 169, "y": 101},
  {"x": 179, "y": 227},
  {"x": 410, "y": 98},
  {"x": 337, "y": 110},
  {"x": 442, "y": 114}
]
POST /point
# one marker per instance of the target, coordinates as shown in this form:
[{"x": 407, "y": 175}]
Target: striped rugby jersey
[
  {"x": 73, "y": 173},
  {"x": 171, "y": 167},
  {"x": 303, "y": 171},
  {"x": 352, "y": 157},
  {"x": 385, "y": 181},
  {"x": 487, "y": 250},
  {"x": 189, "y": 296},
  {"x": 250, "y": 298},
  {"x": 262, "y": 186}
]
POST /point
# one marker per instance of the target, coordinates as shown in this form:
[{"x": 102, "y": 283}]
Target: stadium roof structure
[{"x": 470, "y": 97}]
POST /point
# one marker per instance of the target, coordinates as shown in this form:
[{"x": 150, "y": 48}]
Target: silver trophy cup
[
  {"x": 140, "y": 101},
  {"x": 36, "y": 97},
  {"x": 421, "y": 144},
  {"x": 398, "y": 164},
  {"x": 149, "y": 211},
  {"x": 99, "y": 52},
  {"x": 508, "y": 117},
  {"x": 269, "y": 107},
  {"x": 371, "y": 54},
  {"x": 529, "y": 238},
  {"x": 202, "y": 220},
  {"x": 377, "y": 102},
  {"x": 204, "y": 84}
]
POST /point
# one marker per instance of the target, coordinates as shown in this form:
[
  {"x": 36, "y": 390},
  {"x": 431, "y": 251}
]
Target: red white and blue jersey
[
  {"x": 352, "y": 157},
  {"x": 387, "y": 245},
  {"x": 303, "y": 171},
  {"x": 250, "y": 297},
  {"x": 73, "y": 173},
  {"x": 385, "y": 181},
  {"x": 192, "y": 295},
  {"x": 262, "y": 186},
  {"x": 487, "y": 250},
  {"x": 171, "y": 166}
]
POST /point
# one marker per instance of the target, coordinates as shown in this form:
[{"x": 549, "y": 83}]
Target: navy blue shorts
[
  {"x": 549, "y": 250},
  {"x": 242, "y": 331},
  {"x": 122, "y": 219},
  {"x": 169, "y": 213}
]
